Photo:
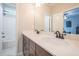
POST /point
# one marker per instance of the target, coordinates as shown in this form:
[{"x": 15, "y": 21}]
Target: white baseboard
[{"x": 20, "y": 54}]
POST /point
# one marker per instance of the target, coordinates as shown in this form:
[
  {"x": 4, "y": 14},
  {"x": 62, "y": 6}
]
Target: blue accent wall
[{"x": 73, "y": 16}]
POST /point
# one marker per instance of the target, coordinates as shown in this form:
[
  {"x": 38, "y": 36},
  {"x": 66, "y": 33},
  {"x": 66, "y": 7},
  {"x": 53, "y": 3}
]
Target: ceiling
[{"x": 60, "y": 4}]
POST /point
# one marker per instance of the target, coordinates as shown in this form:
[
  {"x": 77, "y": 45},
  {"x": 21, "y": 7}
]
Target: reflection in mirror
[
  {"x": 47, "y": 23},
  {"x": 71, "y": 21},
  {"x": 43, "y": 18}
]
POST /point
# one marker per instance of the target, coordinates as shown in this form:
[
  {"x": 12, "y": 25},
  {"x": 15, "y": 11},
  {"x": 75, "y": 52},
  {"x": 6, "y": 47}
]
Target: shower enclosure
[{"x": 8, "y": 29}]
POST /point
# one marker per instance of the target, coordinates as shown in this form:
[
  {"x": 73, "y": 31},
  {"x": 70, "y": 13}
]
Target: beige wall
[
  {"x": 62, "y": 7},
  {"x": 25, "y": 21},
  {"x": 27, "y": 16}
]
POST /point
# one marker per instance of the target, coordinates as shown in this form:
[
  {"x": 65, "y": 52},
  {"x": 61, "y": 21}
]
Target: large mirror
[
  {"x": 71, "y": 21},
  {"x": 49, "y": 17}
]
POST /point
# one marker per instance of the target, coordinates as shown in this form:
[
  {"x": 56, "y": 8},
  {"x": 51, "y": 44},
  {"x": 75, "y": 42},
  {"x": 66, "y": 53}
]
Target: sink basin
[{"x": 52, "y": 40}]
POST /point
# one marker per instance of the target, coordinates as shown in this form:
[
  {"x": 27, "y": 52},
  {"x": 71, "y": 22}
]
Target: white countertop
[{"x": 54, "y": 46}]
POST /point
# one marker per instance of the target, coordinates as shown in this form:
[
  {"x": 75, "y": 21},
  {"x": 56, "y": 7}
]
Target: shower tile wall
[{"x": 9, "y": 28}]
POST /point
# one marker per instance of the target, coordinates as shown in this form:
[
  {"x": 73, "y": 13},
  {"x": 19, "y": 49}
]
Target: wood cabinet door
[
  {"x": 26, "y": 44},
  {"x": 32, "y": 48},
  {"x": 41, "y": 52}
]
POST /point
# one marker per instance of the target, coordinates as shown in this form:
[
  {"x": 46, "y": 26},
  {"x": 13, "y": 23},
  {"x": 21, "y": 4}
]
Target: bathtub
[
  {"x": 8, "y": 44},
  {"x": 9, "y": 48},
  {"x": 0, "y": 46}
]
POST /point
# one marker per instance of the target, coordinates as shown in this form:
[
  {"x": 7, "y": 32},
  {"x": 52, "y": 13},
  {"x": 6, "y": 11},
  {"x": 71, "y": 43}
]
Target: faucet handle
[{"x": 62, "y": 36}]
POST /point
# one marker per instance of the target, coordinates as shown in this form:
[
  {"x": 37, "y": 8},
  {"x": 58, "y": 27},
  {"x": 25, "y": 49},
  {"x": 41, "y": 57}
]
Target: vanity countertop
[{"x": 54, "y": 46}]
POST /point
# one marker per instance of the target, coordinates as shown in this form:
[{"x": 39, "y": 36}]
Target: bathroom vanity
[
  {"x": 30, "y": 48},
  {"x": 46, "y": 44}
]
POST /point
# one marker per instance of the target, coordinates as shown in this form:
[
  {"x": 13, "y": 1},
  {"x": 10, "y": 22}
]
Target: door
[
  {"x": 47, "y": 24},
  {"x": 1, "y": 26}
]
